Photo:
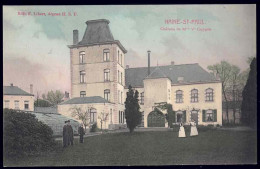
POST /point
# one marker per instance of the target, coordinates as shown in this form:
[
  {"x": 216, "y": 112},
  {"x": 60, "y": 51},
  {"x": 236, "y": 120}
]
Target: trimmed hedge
[
  {"x": 24, "y": 135},
  {"x": 201, "y": 128}
]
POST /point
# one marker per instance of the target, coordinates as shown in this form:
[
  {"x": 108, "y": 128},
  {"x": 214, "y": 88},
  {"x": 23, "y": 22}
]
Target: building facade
[
  {"x": 16, "y": 98},
  {"x": 97, "y": 70}
]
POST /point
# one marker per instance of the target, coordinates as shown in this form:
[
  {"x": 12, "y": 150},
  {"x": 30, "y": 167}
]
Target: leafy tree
[
  {"x": 224, "y": 70},
  {"x": 233, "y": 82},
  {"x": 42, "y": 103},
  {"x": 55, "y": 97},
  {"x": 249, "y": 103},
  {"x": 43, "y": 96},
  {"x": 82, "y": 115},
  {"x": 103, "y": 117},
  {"x": 132, "y": 109}
]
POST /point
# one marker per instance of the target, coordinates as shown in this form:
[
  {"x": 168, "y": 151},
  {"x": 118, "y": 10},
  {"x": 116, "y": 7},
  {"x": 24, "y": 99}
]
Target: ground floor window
[
  {"x": 121, "y": 117},
  {"x": 180, "y": 116},
  {"x": 6, "y": 104},
  {"x": 26, "y": 105},
  {"x": 93, "y": 115},
  {"x": 209, "y": 115},
  {"x": 16, "y": 104}
]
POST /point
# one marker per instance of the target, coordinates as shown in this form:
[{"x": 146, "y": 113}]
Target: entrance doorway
[
  {"x": 194, "y": 116},
  {"x": 156, "y": 119}
]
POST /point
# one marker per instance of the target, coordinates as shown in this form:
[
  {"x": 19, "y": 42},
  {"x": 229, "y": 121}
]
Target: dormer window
[{"x": 106, "y": 55}]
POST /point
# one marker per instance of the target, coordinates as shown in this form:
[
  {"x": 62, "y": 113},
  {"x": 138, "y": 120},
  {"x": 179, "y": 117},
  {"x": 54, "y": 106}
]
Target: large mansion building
[{"x": 100, "y": 80}]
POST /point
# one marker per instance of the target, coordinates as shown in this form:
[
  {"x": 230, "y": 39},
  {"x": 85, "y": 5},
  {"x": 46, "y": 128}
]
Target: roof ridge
[{"x": 163, "y": 66}]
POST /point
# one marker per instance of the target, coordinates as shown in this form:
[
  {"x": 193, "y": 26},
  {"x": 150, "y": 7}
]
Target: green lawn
[{"x": 153, "y": 148}]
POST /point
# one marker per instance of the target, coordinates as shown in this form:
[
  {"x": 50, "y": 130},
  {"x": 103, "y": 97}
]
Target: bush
[
  {"x": 202, "y": 128},
  {"x": 94, "y": 128},
  {"x": 24, "y": 135}
]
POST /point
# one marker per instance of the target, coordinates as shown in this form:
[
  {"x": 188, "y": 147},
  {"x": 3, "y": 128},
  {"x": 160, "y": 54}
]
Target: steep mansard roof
[
  {"x": 84, "y": 100},
  {"x": 14, "y": 90},
  {"x": 98, "y": 32},
  {"x": 191, "y": 73}
]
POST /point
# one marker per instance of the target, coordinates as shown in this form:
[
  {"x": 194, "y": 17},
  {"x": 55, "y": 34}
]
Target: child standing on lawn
[{"x": 182, "y": 131}]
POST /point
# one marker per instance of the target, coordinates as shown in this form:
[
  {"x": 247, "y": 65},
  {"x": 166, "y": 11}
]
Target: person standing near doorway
[{"x": 193, "y": 128}]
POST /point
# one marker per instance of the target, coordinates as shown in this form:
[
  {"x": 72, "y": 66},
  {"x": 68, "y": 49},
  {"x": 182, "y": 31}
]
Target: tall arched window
[
  {"x": 81, "y": 57},
  {"x": 179, "y": 96},
  {"x": 107, "y": 94},
  {"x": 82, "y": 76},
  {"x": 194, "y": 96},
  {"x": 209, "y": 94},
  {"x": 106, "y": 55},
  {"x": 106, "y": 75},
  {"x": 142, "y": 98},
  {"x": 93, "y": 115}
]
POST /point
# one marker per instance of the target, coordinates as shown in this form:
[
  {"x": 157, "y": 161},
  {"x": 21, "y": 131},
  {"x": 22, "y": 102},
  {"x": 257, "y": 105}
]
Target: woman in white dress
[
  {"x": 182, "y": 131},
  {"x": 193, "y": 129}
]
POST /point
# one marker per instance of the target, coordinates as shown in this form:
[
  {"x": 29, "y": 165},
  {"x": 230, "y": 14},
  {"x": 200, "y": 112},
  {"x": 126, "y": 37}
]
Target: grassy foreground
[{"x": 153, "y": 148}]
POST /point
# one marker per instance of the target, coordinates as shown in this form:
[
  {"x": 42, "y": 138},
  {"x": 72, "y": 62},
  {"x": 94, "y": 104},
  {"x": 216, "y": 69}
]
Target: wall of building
[
  {"x": 67, "y": 110},
  {"x": 155, "y": 91},
  {"x": 21, "y": 99},
  {"x": 94, "y": 66},
  {"x": 202, "y": 104}
]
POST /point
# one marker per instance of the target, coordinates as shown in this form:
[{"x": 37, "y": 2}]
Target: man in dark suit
[
  {"x": 65, "y": 135},
  {"x": 70, "y": 132},
  {"x": 81, "y": 133}
]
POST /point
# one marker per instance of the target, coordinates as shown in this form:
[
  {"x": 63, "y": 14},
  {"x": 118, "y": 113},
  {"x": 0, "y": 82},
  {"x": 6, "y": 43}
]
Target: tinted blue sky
[{"x": 35, "y": 47}]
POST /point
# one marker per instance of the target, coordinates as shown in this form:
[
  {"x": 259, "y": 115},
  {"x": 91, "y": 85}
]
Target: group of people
[
  {"x": 193, "y": 129},
  {"x": 68, "y": 135}
]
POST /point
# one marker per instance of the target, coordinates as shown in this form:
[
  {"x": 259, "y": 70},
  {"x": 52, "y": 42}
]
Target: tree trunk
[
  {"x": 226, "y": 103},
  {"x": 234, "y": 106}
]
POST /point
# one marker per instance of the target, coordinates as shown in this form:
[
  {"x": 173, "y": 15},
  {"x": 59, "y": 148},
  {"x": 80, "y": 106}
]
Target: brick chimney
[
  {"x": 31, "y": 88},
  {"x": 148, "y": 62},
  {"x": 75, "y": 37}
]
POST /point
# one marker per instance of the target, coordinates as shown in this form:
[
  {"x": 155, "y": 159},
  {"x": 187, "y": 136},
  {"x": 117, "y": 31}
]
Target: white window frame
[
  {"x": 93, "y": 115},
  {"x": 16, "y": 104},
  {"x": 107, "y": 75},
  {"x": 106, "y": 55},
  {"x": 81, "y": 57},
  {"x": 82, "y": 75},
  {"x": 26, "y": 102},
  {"x": 7, "y": 104},
  {"x": 209, "y": 113},
  {"x": 82, "y": 93},
  {"x": 107, "y": 94}
]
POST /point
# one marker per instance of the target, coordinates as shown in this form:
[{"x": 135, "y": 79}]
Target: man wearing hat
[
  {"x": 65, "y": 135},
  {"x": 70, "y": 133}
]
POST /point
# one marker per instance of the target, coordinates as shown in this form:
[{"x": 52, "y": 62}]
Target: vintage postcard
[{"x": 129, "y": 85}]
